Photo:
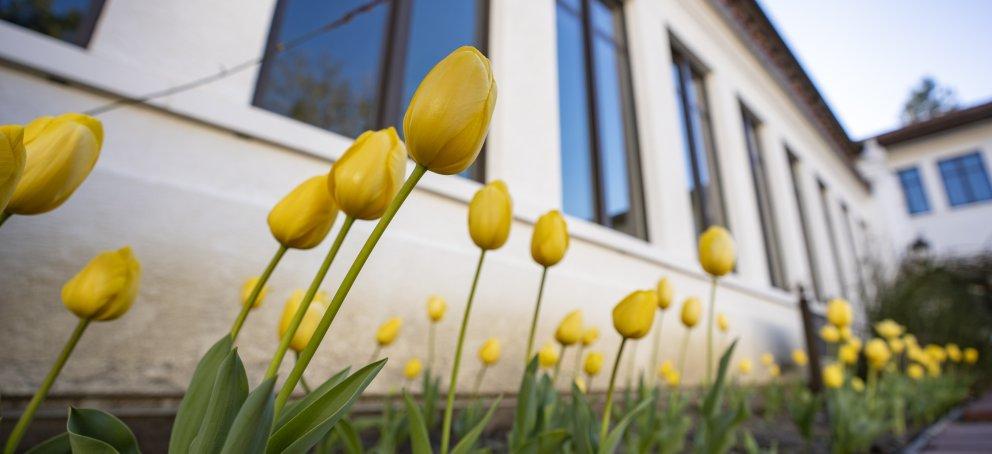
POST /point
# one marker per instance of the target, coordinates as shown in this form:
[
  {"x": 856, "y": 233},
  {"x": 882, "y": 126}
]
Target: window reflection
[{"x": 71, "y": 21}]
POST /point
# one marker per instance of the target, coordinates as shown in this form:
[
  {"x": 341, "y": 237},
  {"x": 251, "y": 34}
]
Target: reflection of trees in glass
[
  {"x": 927, "y": 100},
  {"x": 44, "y": 17},
  {"x": 313, "y": 89}
]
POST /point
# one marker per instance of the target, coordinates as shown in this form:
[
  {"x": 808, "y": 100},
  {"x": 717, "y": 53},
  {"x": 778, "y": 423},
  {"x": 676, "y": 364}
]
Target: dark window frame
[
  {"x": 911, "y": 208},
  {"x": 812, "y": 261},
  {"x": 763, "y": 199},
  {"x": 635, "y": 183},
  {"x": 962, "y": 173},
  {"x": 84, "y": 35},
  {"x": 392, "y": 62}
]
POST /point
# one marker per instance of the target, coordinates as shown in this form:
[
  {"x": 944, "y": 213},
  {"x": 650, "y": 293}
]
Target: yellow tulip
[
  {"x": 889, "y": 329},
  {"x": 936, "y": 353},
  {"x": 547, "y": 356},
  {"x": 12, "y": 159},
  {"x": 856, "y": 343},
  {"x": 593, "y": 363},
  {"x": 915, "y": 371},
  {"x": 105, "y": 288},
  {"x": 590, "y": 336},
  {"x": 666, "y": 293},
  {"x": 489, "y": 215},
  {"x": 953, "y": 352},
  {"x": 744, "y": 367},
  {"x": 799, "y": 357},
  {"x": 581, "y": 384},
  {"x": 246, "y": 289},
  {"x": 933, "y": 369},
  {"x": 315, "y": 311},
  {"x": 550, "y": 239},
  {"x": 388, "y": 331},
  {"x": 848, "y": 354},
  {"x": 722, "y": 323},
  {"x": 774, "y": 370},
  {"x": 490, "y": 351},
  {"x": 767, "y": 359},
  {"x": 673, "y": 379},
  {"x": 60, "y": 152},
  {"x": 303, "y": 217},
  {"x": 412, "y": 368},
  {"x": 877, "y": 353},
  {"x": 896, "y": 345},
  {"x": 830, "y": 334},
  {"x": 665, "y": 368},
  {"x": 910, "y": 340},
  {"x": 448, "y": 117},
  {"x": 692, "y": 311},
  {"x": 970, "y": 355},
  {"x": 833, "y": 375},
  {"x": 369, "y": 174},
  {"x": 717, "y": 251},
  {"x": 634, "y": 315},
  {"x": 436, "y": 307},
  {"x": 570, "y": 329},
  {"x": 857, "y": 384},
  {"x": 839, "y": 313}
]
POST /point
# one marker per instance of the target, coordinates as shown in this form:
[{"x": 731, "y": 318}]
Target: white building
[{"x": 611, "y": 111}]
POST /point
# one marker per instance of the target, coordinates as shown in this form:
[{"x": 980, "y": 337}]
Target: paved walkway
[{"x": 971, "y": 433}]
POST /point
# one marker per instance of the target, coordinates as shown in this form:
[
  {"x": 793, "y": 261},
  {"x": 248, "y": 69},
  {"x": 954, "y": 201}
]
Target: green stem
[
  {"x": 246, "y": 308},
  {"x": 533, "y": 319},
  {"x": 375, "y": 353},
  {"x": 453, "y": 383},
  {"x": 349, "y": 280},
  {"x": 4, "y": 216},
  {"x": 632, "y": 366},
  {"x": 430, "y": 346},
  {"x": 561, "y": 359},
  {"x": 685, "y": 347},
  {"x": 656, "y": 348},
  {"x": 303, "y": 382},
  {"x": 578, "y": 361},
  {"x": 478, "y": 381},
  {"x": 709, "y": 332},
  {"x": 605, "y": 426},
  {"x": 22, "y": 424},
  {"x": 301, "y": 311}
]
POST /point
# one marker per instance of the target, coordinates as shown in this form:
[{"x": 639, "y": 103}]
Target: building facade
[{"x": 645, "y": 121}]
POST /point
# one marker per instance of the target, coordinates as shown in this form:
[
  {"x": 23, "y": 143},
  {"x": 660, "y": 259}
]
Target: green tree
[{"x": 927, "y": 100}]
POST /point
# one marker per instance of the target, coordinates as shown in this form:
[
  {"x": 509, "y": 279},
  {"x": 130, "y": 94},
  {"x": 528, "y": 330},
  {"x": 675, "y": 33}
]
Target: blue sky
[{"x": 865, "y": 55}]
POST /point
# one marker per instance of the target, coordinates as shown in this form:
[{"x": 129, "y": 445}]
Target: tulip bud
[
  {"x": 896, "y": 345},
  {"x": 412, "y": 368},
  {"x": 717, "y": 251},
  {"x": 303, "y": 217},
  {"x": 744, "y": 367},
  {"x": 581, "y": 384},
  {"x": 311, "y": 318},
  {"x": 833, "y": 376},
  {"x": 839, "y": 312},
  {"x": 590, "y": 336},
  {"x": 799, "y": 357},
  {"x": 248, "y": 287},
  {"x": 436, "y": 308},
  {"x": 489, "y": 215},
  {"x": 692, "y": 311},
  {"x": 12, "y": 159},
  {"x": 388, "y": 331},
  {"x": 774, "y": 370},
  {"x": 593, "y": 363},
  {"x": 857, "y": 384},
  {"x": 489, "y": 352},
  {"x": 845, "y": 333},
  {"x": 448, "y": 117},
  {"x": 547, "y": 356},
  {"x": 936, "y": 352},
  {"x": 665, "y": 368},
  {"x": 953, "y": 352},
  {"x": 634, "y": 315},
  {"x": 722, "y": 323},
  {"x": 666, "y": 293},
  {"x": 767, "y": 359},
  {"x": 970, "y": 355},
  {"x": 830, "y": 334},
  {"x": 60, "y": 153},
  {"x": 105, "y": 288},
  {"x": 550, "y": 239},
  {"x": 848, "y": 354},
  {"x": 915, "y": 371},
  {"x": 673, "y": 379},
  {"x": 889, "y": 329},
  {"x": 877, "y": 353},
  {"x": 369, "y": 174},
  {"x": 570, "y": 329}
]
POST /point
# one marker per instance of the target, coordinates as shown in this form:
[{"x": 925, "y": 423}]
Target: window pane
[
  {"x": 965, "y": 179},
  {"x": 831, "y": 235},
  {"x": 811, "y": 258},
  {"x": 71, "y": 21},
  {"x": 612, "y": 141},
  {"x": 331, "y": 81},
  {"x": 578, "y": 187},
  {"x": 913, "y": 191},
  {"x": 766, "y": 216}
]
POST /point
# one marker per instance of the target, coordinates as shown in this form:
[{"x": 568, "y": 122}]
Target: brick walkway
[{"x": 972, "y": 433}]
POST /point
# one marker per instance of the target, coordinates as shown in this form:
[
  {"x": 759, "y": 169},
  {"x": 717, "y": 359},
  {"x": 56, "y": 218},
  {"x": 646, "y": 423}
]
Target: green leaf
[
  {"x": 419, "y": 439},
  {"x": 291, "y": 410},
  {"x": 715, "y": 394},
  {"x": 346, "y": 430},
  {"x": 317, "y": 417},
  {"x": 197, "y": 397},
  {"x": 467, "y": 442},
  {"x": 583, "y": 426},
  {"x": 250, "y": 430},
  {"x": 227, "y": 395},
  {"x": 94, "y": 431},
  {"x": 545, "y": 442},
  {"x": 613, "y": 439},
  {"x": 58, "y": 444},
  {"x": 526, "y": 411}
]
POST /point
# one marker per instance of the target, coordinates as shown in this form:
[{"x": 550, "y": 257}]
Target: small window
[
  {"x": 965, "y": 179},
  {"x": 361, "y": 74},
  {"x": 812, "y": 262},
  {"x": 71, "y": 21},
  {"x": 601, "y": 176},
  {"x": 913, "y": 191},
  {"x": 766, "y": 209}
]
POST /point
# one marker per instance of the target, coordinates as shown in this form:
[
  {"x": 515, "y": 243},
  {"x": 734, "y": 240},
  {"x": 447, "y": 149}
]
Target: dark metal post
[{"x": 812, "y": 346}]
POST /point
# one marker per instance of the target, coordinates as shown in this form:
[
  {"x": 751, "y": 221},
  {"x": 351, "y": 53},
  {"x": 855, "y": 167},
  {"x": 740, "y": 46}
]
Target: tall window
[
  {"x": 965, "y": 179},
  {"x": 858, "y": 265},
  {"x": 71, "y": 21},
  {"x": 601, "y": 176},
  {"x": 361, "y": 75},
  {"x": 913, "y": 191},
  {"x": 832, "y": 236},
  {"x": 811, "y": 259},
  {"x": 702, "y": 169},
  {"x": 766, "y": 210}
]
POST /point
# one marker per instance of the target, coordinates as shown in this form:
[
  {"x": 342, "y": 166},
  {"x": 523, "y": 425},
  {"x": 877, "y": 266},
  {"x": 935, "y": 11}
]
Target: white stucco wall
[{"x": 188, "y": 181}]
